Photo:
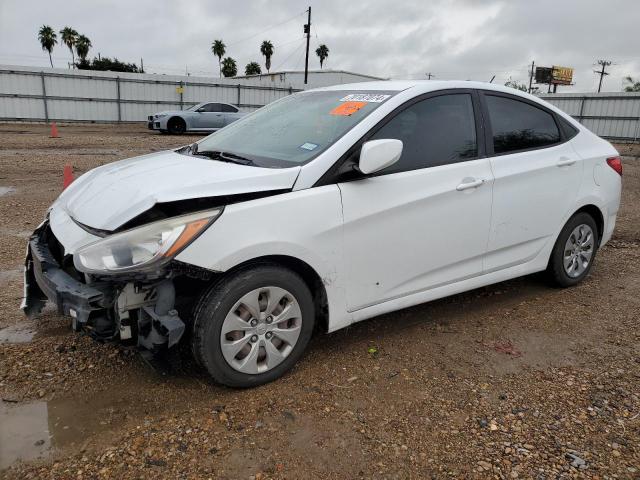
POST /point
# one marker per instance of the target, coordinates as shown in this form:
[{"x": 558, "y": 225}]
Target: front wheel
[
  {"x": 176, "y": 126},
  {"x": 253, "y": 326},
  {"x": 574, "y": 251}
]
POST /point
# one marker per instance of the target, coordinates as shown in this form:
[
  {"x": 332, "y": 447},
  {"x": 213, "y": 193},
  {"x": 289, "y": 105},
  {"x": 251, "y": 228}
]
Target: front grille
[{"x": 150, "y": 118}]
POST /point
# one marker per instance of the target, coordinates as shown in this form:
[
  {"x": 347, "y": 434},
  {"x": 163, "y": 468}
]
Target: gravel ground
[{"x": 516, "y": 380}]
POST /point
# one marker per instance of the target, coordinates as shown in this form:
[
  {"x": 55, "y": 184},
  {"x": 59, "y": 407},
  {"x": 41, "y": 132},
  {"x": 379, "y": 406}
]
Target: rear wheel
[
  {"x": 574, "y": 251},
  {"x": 252, "y": 327},
  {"x": 176, "y": 126}
]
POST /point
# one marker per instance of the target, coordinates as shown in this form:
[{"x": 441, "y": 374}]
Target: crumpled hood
[{"x": 109, "y": 196}]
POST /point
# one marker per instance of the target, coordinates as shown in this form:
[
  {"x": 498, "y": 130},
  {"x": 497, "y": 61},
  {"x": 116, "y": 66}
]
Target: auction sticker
[
  {"x": 347, "y": 108},
  {"x": 365, "y": 97}
]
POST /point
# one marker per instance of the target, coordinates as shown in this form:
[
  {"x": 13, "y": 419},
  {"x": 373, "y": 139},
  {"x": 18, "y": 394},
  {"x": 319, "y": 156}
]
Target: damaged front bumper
[{"x": 109, "y": 307}]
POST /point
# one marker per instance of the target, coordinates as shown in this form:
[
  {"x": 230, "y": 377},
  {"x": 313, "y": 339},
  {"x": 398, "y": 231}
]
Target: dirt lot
[{"x": 516, "y": 380}]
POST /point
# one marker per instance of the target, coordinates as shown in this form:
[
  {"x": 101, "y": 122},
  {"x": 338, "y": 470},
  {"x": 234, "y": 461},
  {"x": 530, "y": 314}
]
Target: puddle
[
  {"x": 6, "y": 190},
  {"x": 35, "y": 430},
  {"x": 24, "y": 432},
  {"x": 22, "y": 332}
]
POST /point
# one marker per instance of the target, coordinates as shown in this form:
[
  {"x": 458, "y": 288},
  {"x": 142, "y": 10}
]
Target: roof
[{"x": 424, "y": 86}]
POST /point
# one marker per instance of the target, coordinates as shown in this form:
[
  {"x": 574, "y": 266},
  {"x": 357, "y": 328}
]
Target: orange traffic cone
[
  {"x": 54, "y": 131},
  {"x": 67, "y": 176}
]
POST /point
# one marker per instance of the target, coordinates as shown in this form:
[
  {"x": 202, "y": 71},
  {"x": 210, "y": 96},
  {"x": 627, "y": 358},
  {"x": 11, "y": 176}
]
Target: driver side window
[
  {"x": 435, "y": 131},
  {"x": 210, "y": 107}
]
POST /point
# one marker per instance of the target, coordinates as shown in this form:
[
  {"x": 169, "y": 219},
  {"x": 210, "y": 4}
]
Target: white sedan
[{"x": 323, "y": 209}]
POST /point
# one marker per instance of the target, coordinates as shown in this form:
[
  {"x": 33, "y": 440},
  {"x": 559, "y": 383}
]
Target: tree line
[
  {"x": 79, "y": 46},
  {"x": 228, "y": 66}
]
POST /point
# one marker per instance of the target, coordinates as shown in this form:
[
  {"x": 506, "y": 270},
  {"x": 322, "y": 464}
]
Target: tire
[
  {"x": 557, "y": 273},
  {"x": 211, "y": 348},
  {"x": 176, "y": 126}
]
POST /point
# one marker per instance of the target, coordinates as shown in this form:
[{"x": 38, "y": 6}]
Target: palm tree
[
  {"x": 83, "y": 44},
  {"x": 323, "y": 52},
  {"x": 69, "y": 37},
  {"x": 219, "y": 49},
  {"x": 635, "y": 85},
  {"x": 252, "y": 68},
  {"x": 48, "y": 40},
  {"x": 517, "y": 85},
  {"x": 267, "y": 50},
  {"x": 229, "y": 67}
]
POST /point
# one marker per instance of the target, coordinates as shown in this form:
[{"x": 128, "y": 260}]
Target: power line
[
  {"x": 267, "y": 29},
  {"x": 289, "y": 56},
  {"x": 602, "y": 73}
]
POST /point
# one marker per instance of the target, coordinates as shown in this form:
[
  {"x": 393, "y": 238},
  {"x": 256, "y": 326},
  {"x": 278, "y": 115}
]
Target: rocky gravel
[{"x": 516, "y": 380}]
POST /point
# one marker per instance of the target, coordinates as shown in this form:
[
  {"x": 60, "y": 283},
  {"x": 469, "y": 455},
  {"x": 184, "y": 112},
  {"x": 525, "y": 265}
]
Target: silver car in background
[{"x": 203, "y": 117}]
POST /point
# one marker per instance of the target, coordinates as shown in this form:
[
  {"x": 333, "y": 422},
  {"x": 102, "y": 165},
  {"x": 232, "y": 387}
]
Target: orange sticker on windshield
[{"x": 347, "y": 108}]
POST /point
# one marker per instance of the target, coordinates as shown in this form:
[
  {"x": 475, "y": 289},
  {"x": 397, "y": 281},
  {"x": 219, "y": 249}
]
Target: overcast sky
[{"x": 452, "y": 39}]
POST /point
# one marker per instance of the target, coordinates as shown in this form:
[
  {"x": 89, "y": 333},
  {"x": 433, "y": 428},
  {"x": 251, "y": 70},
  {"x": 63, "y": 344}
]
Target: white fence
[
  {"x": 615, "y": 116},
  {"x": 37, "y": 94}
]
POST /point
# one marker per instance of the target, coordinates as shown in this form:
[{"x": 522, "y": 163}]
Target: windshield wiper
[{"x": 225, "y": 157}]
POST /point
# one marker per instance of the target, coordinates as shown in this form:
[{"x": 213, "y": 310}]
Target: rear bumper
[{"x": 44, "y": 279}]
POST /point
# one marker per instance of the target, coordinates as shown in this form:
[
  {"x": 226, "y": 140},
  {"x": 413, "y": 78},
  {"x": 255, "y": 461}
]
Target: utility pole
[
  {"x": 602, "y": 73},
  {"x": 429, "y": 75},
  {"x": 533, "y": 64},
  {"x": 307, "y": 30}
]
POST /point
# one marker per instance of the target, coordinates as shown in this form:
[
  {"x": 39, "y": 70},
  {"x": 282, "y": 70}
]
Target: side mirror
[{"x": 377, "y": 155}]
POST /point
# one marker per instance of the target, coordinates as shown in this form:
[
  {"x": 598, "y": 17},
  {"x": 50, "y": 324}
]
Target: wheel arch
[
  {"x": 308, "y": 274},
  {"x": 597, "y": 215},
  {"x": 178, "y": 118}
]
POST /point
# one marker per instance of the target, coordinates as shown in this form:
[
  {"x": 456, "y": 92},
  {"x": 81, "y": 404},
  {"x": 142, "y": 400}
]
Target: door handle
[
  {"x": 565, "y": 162},
  {"x": 469, "y": 183}
]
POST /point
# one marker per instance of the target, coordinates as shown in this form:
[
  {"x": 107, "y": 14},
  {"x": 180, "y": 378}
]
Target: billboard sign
[
  {"x": 561, "y": 75},
  {"x": 543, "y": 75},
  {"x": 554, "y": 75}
]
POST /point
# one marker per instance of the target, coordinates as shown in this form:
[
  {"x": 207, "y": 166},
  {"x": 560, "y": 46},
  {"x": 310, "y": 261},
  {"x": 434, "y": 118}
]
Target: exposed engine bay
[{"x": 138, "y": 308}]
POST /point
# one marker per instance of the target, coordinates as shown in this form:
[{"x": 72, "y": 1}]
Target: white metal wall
[
  {"x": 609, "y": 115},
  {"x": 39, "y": 94}
]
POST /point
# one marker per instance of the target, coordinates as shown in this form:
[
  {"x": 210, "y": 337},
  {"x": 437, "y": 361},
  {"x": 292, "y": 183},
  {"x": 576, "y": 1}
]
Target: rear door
[
  {"x": 537, "y": 177},
  {"x": 230, "y": 113},
  {"x": 424, "y": 221}
]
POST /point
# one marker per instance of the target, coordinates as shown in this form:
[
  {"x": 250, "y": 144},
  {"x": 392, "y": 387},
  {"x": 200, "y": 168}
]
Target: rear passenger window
[
  {"x": 435, "y": 131},
  {"x": 569, "y": 130},
  {"x": 228, "y": 108},
  {"x": 519, "y": 126}
]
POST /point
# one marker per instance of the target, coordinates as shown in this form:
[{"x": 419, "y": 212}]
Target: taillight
[{"x": 616, "y": 164}]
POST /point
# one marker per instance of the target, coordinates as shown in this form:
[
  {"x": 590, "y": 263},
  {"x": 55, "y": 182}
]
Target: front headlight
[
  {"x": 160, "y": 115},
  {"x": 143, "y": 247}
]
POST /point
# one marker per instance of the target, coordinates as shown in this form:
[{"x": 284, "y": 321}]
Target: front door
[
  {"x": 424, "y": 221},
  {"x": 210, "y": 117}
]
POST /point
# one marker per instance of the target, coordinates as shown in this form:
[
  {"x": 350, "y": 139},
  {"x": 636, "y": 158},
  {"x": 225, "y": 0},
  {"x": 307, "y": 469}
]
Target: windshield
[
  {"x": 295, "y": 129},
  {"x": 194, "y": 107}
]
